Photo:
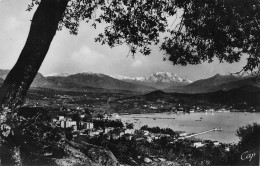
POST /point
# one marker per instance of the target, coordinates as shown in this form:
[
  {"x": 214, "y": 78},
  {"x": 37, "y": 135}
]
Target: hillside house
[
  {"x": 106, "y": 130},
  {"x": 86, "y": 125},
  {"x": 182, "y": 134},
  {"x": 106, "y": 116},
  {"x": 145, "y": 132},
  {"x": 121, "y": 133},
  {"x": 149, "y": 139},
  {"x": 54, "y": 120},
  {"x": 216, "y": 143},
  {"x": 115, "y": 116},
  {"x": 227, "y": 149},
  {"x": 180, "y": 110},
  {"x": 165, "y": 135},
  {"x": 68, "y": 124},
  {"x": 75, "y": 134},
  {"x": 115, "y": 136},
  {"x": 197, "y": 144},
  {"x": 82, "y": 116},
  {"x": 129, "y": 131},
  {"x": 61, "y": 118}
]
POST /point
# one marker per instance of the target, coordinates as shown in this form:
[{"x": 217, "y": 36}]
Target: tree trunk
[
  {"x": 13, "y": 91},
  {"x": 43, "y": 28}
]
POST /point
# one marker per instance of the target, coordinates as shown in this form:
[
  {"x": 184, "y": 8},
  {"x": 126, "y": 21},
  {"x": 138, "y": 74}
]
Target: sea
[{"x": 197, "y": 122}]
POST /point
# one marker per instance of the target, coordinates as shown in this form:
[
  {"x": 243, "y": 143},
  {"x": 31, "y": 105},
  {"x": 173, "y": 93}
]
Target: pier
[
  {"x": 214, "y": 129},
  {"x": 152, "y": 117}
]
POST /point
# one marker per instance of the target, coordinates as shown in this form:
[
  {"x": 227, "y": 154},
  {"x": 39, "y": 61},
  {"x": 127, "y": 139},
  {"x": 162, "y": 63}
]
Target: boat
[
  {"x": 192, "y": 111},
  {"x": 223, "y": 111},
  {"x": 217, "y": 129}
]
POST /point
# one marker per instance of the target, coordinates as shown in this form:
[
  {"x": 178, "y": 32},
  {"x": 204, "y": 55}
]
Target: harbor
[
  {"x": 200, "y": 125},
  {"x": 207, "y": 131}
]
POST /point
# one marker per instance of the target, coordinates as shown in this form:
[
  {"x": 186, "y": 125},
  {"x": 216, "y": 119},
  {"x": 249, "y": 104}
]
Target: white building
[
  {"x": 146, "y": 132},
  {"x": 121, "y": 134},
  {"x": 74, "y": 127},
  {"x": 54, "y": 120},
  {"x": 149, "y": 139},
  {"x": 198, "y": 144},
  {"x": 68, "y": 124},
  {"x": 182, "y": 134},
  {"x": 61, "y": 118},
  {"x": 82, "y": 116},
  {"x": 227, "y": 149},
  {"x": 192, "y": 110},
  {"x": 216, "y": 143},
  {"x": 129, "y": 131},
  {"x": 63, "y": 124},
  {"x": 115, "y": 136},
  {"x": 115, "y": 116},
  {"x": 108, "y": 129},
  {"x": 165, "y": 135},
  {"x": 106, "y": 116},
  {"x": 87, "y": 125}
]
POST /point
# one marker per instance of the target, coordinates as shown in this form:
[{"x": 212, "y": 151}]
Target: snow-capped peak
[
  {"x": 158, "y": 77},
  {"x": 166, "y": 77},
  {"x": 58, "y": 75},
  {"x": 119, "y": 77}
]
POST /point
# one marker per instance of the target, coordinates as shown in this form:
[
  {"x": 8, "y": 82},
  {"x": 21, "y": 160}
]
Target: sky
[{"x": 73, "y": 54}]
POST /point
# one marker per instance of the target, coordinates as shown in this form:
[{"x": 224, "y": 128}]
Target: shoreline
[{"x": 194, "y": 123}]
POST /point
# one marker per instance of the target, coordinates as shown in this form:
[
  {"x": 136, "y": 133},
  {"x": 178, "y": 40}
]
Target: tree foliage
[
  {"x": 225, "y": 29},
  {"x": 249, "y": 136},
  {"x": 129, "y": 125}
]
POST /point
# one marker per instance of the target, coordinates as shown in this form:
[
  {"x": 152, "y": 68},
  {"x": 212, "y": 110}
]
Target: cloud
[
  {"x": 137, "y": 63},
  {"x": 87, "y": 59},
  {"x": 12, "y": 23},
  {"x": 87, "y": 56}
]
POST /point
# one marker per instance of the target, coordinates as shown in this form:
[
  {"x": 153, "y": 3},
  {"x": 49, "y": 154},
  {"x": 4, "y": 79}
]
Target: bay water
[{"x": 197, "y": 122}]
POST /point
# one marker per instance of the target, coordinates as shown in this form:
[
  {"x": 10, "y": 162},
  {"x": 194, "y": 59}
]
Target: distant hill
[
  {"x": 246, "y": 81},
  {"x": 216, "y": 83},
  {"x": 39, "y": 80},
  {"x": 96, "y": 80},
  {"x": 82, "y": 81},
  {"x": 243, "y": 96},
  {"x": 210, "y": 84}
]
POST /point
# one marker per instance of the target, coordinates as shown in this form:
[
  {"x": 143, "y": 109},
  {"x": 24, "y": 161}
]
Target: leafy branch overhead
[{"x": 225, "y": 29}]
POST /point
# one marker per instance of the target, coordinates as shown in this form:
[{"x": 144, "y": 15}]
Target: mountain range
[
  {"x": 221, "y": 82},
  {"x": 159, "y": 80},
  {"x": 96, "y": 80},
  {"x": 165, "y": 81}
]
